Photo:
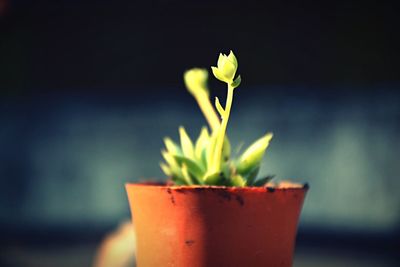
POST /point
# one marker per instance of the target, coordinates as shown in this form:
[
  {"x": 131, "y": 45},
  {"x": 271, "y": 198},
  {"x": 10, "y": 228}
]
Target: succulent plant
[{"x": 208, "y": 160}]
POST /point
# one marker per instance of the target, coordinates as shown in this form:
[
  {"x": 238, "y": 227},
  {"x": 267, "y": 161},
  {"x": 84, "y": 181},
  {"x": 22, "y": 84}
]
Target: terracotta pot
[{"x": 206, "y": 226}]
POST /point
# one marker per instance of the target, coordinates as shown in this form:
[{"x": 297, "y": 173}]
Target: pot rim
[{"x": 269, "y": 187}]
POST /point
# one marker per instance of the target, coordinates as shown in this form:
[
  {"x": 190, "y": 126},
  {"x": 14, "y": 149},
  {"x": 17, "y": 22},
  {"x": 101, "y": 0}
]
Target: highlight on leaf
[
  {"x": 252, "y": 156},
  {"x": 186, "y": 143}
]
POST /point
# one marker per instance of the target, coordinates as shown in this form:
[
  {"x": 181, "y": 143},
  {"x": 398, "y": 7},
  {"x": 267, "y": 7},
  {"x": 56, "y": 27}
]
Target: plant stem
[
  {"x": 221, "y": 132},
  {"x": 208, "y": 110}
]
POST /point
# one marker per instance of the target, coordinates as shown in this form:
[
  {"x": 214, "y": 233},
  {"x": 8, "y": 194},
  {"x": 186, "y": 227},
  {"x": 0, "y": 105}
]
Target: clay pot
[{"x": 210, "y": 226}]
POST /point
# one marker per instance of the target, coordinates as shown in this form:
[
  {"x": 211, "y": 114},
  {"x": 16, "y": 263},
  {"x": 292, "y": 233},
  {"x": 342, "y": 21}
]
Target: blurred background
[{"x": 88, "y": 89}]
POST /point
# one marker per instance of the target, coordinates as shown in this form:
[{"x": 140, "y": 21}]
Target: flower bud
[
  {"x": 196, "y": 80},
  {"x": 226, "y": 68}
]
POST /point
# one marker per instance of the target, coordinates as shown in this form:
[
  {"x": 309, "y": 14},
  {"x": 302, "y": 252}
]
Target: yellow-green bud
[{"x": 226, "y": 69}]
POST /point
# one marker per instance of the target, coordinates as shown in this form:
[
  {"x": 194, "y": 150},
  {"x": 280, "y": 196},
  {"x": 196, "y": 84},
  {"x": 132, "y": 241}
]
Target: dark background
[
  {"x": 90, "y": 88},
  {"x": 53, "y": 45}
]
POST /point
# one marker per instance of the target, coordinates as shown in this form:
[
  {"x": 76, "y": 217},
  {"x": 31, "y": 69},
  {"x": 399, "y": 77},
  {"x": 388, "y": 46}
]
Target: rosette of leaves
[{"x": 208, "y": 159}]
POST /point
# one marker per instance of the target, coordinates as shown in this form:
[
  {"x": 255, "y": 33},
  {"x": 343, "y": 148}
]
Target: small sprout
[
  {"x": 207, "y": 161},
  {"x": 225, "y": 71},
  {"x": 236, "y": 82}
]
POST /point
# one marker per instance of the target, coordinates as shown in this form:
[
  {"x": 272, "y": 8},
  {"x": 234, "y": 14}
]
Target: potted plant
[{"x": 214, "y": 211}]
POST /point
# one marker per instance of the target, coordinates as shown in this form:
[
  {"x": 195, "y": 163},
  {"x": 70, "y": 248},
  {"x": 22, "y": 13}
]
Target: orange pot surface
[{"x": 209, "y": 226}]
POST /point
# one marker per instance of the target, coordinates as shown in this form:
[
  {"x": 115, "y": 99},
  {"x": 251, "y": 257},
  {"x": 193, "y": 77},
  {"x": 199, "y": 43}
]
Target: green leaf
[
  {"x": 236, "y": 82},
  {"x": 238, "y": 148},
  {"x": 220, "y": 109},
  {"x": 251, "y": 175},
  {"x": 253, "y": 155},
  {"x": 179, "y": 181},
  {"x": 172, "y": 147},
  {"x": 186, "y": 143},
  {"x": 226, "y": 150},
  {"x": 213, "y": 179},
  {"x": 201, "y": 143},
  {"x": 226, "y": 169},
  {"x": 211, "y": 148},
  {"x": 167, "y": 171},
  {"x": 238, "y": 180},
  {"x": 192, "y": 167},
  {"x": 263, "y": 181},
  {"x": 186, "y": 175},
  {"x": 204, "y": 158},
  {"x": 169, "y": 158},
  {"x": 172, "y": 164}
]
